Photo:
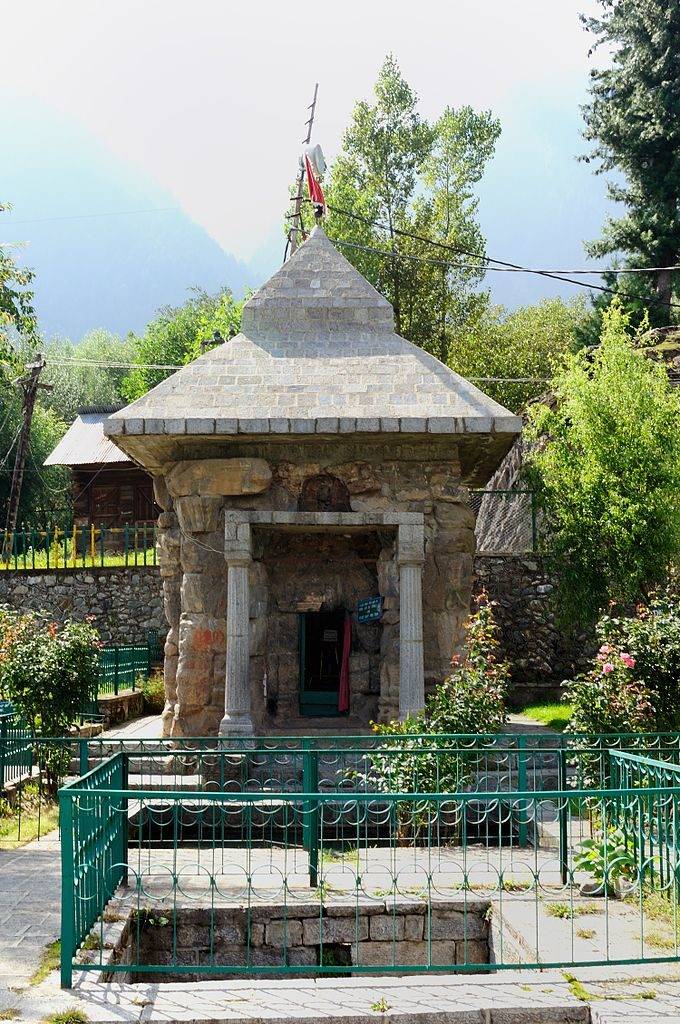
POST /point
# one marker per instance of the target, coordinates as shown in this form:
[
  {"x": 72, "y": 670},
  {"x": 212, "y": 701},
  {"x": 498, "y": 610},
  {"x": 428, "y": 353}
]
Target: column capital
[
  {"x": 238, "y": 544},
  {"x": 410, "y": 545}
]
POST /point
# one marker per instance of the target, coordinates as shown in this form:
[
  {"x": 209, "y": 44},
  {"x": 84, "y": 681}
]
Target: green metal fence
[
  {"x": 259, "y": 881},
  {"x": 74, "y": 546},
  {"x": 493, "y": 763}
]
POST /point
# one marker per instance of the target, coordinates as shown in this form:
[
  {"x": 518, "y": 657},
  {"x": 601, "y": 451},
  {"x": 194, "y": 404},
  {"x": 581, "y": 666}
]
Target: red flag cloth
[
  {"x": 343, "y": 691},
  {"x": 315, "y": 190}
]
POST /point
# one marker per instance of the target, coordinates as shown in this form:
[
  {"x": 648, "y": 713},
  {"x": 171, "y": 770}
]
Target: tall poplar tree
[
  {"x": 407, "y": 175},
  {"x": 633, "y": 119}
]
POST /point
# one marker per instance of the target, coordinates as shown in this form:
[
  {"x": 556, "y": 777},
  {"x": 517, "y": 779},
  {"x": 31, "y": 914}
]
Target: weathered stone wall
[
  {"x": 370, "y": 934},
  {"x": 379, "y": 477},
  {"x": 541, "y": 654},
  {"x": 125, "y": 603}
]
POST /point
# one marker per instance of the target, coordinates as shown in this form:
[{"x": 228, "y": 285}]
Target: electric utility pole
[
  {"x": 29, "y": 385},
  {"x": 297, "y": 213}
]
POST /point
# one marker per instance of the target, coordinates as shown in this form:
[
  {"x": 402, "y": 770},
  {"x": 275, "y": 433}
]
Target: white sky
[{"x": 208, "y": 97}]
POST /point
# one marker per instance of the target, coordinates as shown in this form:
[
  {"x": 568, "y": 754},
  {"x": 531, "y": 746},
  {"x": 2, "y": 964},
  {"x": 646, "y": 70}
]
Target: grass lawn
[
  {"x": 554, "y": 715},
  {"x": 35, "y": 816}
]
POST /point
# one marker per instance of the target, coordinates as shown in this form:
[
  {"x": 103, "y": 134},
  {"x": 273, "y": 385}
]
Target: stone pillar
[
  {"x": 410, "y": 558},
  {"x": 237, "y": 719}
]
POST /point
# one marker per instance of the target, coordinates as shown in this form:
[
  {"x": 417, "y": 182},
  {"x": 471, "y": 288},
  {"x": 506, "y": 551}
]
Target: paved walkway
[
  {"x": 147, "y": 728},
  {"x": 29, "y": 921}
]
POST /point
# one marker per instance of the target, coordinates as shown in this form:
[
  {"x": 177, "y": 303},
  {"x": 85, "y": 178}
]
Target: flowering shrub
[
  {"x": 651, "y": 640},
  {"x": 470, "y": 700},
  {"x": 609, "y": 698},
  {"x": 47, "y": 671},
  {"x": 634, "y": 684}
]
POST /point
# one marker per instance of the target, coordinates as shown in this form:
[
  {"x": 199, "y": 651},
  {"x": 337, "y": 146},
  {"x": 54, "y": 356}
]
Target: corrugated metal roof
[{"x": 84, "y": 443}]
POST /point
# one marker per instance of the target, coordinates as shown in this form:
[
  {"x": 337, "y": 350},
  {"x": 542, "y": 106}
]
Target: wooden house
[{"x": 109, "y": 489}]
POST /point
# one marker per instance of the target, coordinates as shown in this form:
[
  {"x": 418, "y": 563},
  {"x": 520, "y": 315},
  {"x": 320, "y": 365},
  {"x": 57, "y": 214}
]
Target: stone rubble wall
[
  {"x": 541, "y": 653},
  {"x": 125, "y": 603},
  {"x": 372, "y": 934}
]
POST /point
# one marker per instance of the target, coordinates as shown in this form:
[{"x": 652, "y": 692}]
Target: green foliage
[
  {"x": 633, "y": 118},
  {"x": 470, "y": 700},
  {"x": 47, "y": 671},
  {"x": 153, "y": 689},
  {"x": 651, "y": 641},
  {"x": 527, "y": 342},
  {"x": 610, "y": 859},
  {"x": 44, "y": 488},
  {"x": 174, "y": 337},
  {"x": 608, "y": 698},
  {"x": 417, "y": 177},
  {"x": 17, "y": 315},
  {"x": 606, "y": 472},
  {"x": 77, "y": 386}
]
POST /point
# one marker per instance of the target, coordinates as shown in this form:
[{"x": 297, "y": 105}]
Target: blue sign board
[{"x": 369, "y": 609}]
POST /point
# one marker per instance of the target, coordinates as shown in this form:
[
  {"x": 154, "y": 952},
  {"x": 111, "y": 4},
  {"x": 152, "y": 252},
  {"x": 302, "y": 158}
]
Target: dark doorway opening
[{"x": 321, "y": 639}]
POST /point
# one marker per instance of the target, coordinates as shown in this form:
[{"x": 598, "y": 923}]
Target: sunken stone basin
[{"x": 371, "y": 935}]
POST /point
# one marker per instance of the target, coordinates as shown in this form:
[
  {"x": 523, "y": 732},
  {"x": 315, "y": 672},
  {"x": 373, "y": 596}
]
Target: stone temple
[{"x": 312, "y": 463}]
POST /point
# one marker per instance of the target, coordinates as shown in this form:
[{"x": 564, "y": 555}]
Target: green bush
[
  {"x": 470, "y": 700},
  {"x": 49, "y": 673},
  {"x": 652, "y": 638},
  {"x": 153, "y": 689},
  {"x": 634, "y": 684}
]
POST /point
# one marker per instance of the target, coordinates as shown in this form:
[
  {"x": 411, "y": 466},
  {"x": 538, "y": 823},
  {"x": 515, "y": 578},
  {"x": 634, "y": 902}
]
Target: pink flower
[
  {"x": 605, "y": 649},
  {"x": 607, "y": 668},
  {"x": 627, "y": 660}
]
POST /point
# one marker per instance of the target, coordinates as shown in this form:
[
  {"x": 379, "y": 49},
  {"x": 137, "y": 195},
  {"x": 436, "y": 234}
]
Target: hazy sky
[{"x": 208, "y": 97}]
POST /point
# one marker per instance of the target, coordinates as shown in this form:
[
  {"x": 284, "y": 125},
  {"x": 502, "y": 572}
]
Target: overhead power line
[
  {"x": 88, "y": 216},
  {"x": 499, "y": 270},
  {"x": 490, "y": 259}
]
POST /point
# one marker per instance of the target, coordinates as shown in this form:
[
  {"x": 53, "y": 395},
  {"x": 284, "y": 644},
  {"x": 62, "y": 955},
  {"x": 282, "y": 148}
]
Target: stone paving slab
[{"x": 30, "y": 888}]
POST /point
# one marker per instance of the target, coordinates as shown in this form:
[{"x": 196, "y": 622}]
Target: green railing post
[
  {"x": 563, "y": 812},
  {"x": 3, "y": 745},
  {"x": 116, "y": 668},
  {"x": 523, "y": 835},
  {"x": 83, "y": 757},
  {"x": 68, "y": 896},
  {"x": 310, "y": 810},
  {"x": 125, "y": 822}
]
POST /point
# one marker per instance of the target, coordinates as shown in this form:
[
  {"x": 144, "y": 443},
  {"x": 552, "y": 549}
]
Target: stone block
[
  {"x": 198, "y": 514},
  {"x": 474, "y": 951},
  {"x": 219, "y": 477},
  {"x": 387, "y": 928},
  {"x": 455, "y": 925},
  {"x": 408, "y": 954},
  {"x": 413, "y": 927},
  {"x": 335, "y": 929},
  {"x": 284, "y": 933}
]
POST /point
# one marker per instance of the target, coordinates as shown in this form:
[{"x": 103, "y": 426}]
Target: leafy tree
[
  {"x": 524, "y": 343},
  {"x": 49, "y": 673},
  {"x": 411, "y": 176},
  {"x": 174, "y": 337},
  {"x": 633, "y": 117},
  {"x": 17, "y": 316},
  {"x": 606, "y": 469},
  {"x": 77, "y": 386}
]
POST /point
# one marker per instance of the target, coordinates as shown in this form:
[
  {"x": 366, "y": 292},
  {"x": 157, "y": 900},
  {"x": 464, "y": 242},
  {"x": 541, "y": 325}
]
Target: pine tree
[{"x": 633, "y": 118}]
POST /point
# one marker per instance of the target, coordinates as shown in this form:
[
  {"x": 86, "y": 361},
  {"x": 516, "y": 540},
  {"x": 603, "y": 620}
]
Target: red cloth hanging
[
  {"x": 343, "y": 691},
  {"x": 315, "y": 190}
]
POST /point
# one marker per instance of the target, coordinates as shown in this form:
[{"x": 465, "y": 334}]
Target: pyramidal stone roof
[{"x": 317, "y": 354}]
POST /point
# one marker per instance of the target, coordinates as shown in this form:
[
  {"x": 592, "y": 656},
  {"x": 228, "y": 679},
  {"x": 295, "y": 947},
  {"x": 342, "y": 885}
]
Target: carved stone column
[
  {"x": 237, "y": 719},
  {"x": 410, "y": 558}
]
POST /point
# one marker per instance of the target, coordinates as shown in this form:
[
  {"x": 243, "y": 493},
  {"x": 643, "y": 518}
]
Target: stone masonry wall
[
  {"x": 541, "y": 653},
  {"x": 125, "y": 603},
  {"x": 378, "y": 476},
  {"x": 372, "y": 934}
]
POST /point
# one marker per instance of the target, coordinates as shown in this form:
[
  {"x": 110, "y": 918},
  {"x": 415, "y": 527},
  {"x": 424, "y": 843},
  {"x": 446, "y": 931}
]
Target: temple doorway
[{"x": 322, "y": 640}]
